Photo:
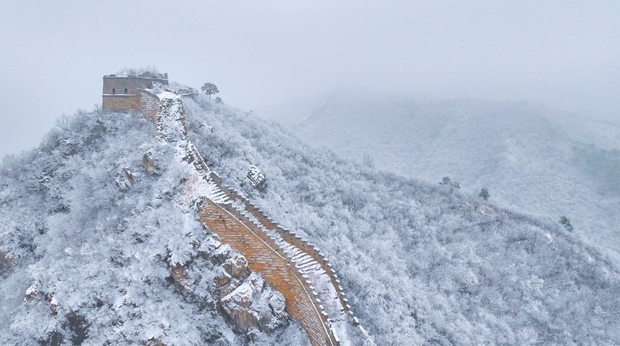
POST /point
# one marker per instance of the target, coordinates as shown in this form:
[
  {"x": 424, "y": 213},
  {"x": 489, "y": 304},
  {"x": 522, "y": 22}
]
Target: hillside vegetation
[
  {"x": 89, "y": 252},
  {"x": 94, "y": 238},
  {"x": 532, "y": 159}
]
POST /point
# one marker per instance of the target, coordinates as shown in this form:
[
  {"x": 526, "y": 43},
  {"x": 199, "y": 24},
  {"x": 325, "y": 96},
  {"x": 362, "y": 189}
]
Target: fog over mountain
[
  {"x": 561, "y": 53},
  {"x": 458, "y": 163},
  {"x": 88, "y": 255},
  {"x": 531, "y": 158}
]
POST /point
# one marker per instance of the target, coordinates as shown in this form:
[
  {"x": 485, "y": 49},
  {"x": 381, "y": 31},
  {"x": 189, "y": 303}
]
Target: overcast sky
[{"x": 53, "y": 53}]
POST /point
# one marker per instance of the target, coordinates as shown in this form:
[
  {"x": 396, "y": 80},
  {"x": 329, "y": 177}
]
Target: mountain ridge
[
  {"x": 422, "y": 263},
  {"x": 533, "y": 159}
]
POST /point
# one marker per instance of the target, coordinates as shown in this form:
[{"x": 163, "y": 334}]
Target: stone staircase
[
  {"x": 263, "y": 256},
  {"x": 311, "y": 298},
  {"x": 293, "y": 266}
]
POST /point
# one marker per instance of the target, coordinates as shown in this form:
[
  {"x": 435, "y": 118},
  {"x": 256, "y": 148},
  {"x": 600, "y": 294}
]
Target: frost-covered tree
[
  {"x": 419, "y": 265},
  {"x": 93, "y": 237},
  {"x": 209, "y": 89},
  {"x": 257, "y": 179},
  {"x": 484, "y": 193},
  {"x": 446, "y": 181},
  {"x": 564, "y": 221}
]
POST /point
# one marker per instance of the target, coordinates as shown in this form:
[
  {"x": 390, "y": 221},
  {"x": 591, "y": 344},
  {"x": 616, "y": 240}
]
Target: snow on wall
[
  {"x": 294, "y": 267},
  {"x": 263, "y": 256},
  {"x": 307, "y": 258},
  {"x": 125, "y": 92}
]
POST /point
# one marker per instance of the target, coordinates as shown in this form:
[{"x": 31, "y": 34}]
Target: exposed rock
[
  {"x": 125, "y": 179},
  {"x": 53, "y": 305},
  {"x": 208, "y": 246},
  {"x": 149, "y": 164},
  {"x": 229, "y": 287},
  {"x": 222, "y": 279},
  {"x": 253, "y": 305},
  {"x": 241, "y": 293},
  {"x": 257, "y": 179},
  {"x": 237, "y": 266},
  {"x": 219, "y": 255},
  {"x": 180, "y": 276},
  {"x": 153, "y": 342},
  {"x": 31, "y": 292},
  {"x": 5, "y": 264}
]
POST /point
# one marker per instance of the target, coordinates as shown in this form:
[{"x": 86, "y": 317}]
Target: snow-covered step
[
  {"x": 311, "y": 267},
  {"x": 301, "y": 260},
  {"x": 300, "y": 255}
]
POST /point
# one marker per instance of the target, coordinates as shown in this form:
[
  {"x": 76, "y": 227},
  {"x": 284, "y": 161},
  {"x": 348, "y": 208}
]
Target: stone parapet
[
  {"x": 125, "y": 93},
  {"x": 264, "y": 256},
  {"x": 294, "y": 239},
  {"x": 287, "y": 262}
]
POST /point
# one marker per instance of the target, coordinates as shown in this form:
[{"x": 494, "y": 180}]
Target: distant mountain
[
  {"x": 531, "y": 158},
  {"x": 89, "y": 250}
]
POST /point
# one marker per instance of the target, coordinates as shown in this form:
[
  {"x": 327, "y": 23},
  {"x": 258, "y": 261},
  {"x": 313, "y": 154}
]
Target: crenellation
[
  {"x": 284, "y": 258},
  {"x": 126, "y": 93}
]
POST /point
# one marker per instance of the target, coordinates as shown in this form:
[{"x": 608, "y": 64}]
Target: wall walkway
[{"x": 293, "y": 266}]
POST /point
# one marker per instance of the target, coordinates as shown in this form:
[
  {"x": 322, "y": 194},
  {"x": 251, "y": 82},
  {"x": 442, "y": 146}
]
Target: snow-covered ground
[
  {"x": 531, "y": 158},
  {"x": 92, "y": 236},
  {"x": 421, "y": 263}
]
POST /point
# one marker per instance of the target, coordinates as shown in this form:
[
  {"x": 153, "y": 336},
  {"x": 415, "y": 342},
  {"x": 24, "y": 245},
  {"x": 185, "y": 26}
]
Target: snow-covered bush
[
  {"x": 420, "y": 263},
  {"x": 95, "y": 239}
]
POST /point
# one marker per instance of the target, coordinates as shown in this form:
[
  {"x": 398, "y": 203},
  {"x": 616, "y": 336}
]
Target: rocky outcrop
[
  {"x": 149, "y": 164},
  {"x": 299, "y": 272},
  {"x": 180, "y": 276},
  {"x": 125, "y": 179},
  {"x": 5, "y": 264},
  {"x": 237, "y": 266},
  {"x": 220, "y": 276},
  {"x": 255, "y": 306}
]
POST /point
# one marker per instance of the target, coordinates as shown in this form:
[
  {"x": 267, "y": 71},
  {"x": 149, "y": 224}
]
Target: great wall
[{"x": 289, "y": 263}]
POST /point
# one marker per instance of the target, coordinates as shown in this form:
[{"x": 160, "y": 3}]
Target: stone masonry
[
  {"x": 125, "y": 93},
  {"x": 263, "y": 257},
  {"x": 290, "y": 264}
]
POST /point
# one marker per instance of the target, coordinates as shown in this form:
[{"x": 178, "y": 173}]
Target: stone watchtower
[{"x": 127, "y": 92}]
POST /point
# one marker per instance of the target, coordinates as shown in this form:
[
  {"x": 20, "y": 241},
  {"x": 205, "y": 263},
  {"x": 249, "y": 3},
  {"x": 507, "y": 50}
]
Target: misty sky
[{"x": 53, "y": 53}]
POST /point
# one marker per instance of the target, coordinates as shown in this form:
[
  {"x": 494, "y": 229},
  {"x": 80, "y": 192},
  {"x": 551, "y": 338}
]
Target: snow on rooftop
[{"x": 142, "y": 73}]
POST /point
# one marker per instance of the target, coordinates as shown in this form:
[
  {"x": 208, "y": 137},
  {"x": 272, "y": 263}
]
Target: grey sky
[{"x": 53, "y": 53}]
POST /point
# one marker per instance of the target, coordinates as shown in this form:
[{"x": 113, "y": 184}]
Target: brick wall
[
  {"x": 149, "y": 105},
  {"x": 120, "y": 103},
  {"x": 293, "y": 239},
  {"x": 123, "y": 94},
  {"x": 117, "y": 84},
  {"x": 263, "y": 256}
]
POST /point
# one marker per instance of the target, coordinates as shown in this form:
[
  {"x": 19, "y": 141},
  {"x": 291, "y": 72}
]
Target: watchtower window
[
  {"x": 113, "y": 91},
  {"x": 125, "y": 90}
]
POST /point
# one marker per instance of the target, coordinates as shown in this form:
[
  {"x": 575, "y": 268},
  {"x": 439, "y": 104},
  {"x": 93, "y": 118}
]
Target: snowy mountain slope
[
  {"x": 95, "y": 240},
  {"x": 93, "y": 251},
  {"x": 532, "y": 159},
  {"x": 421, "y": 263}
]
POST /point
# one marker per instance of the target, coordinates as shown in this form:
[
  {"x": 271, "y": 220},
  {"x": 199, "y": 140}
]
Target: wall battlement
[
  {"x": 294, "y": 239},
  {"x": 290, "y": 264},
  {"x": 125, "y": 93}
]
